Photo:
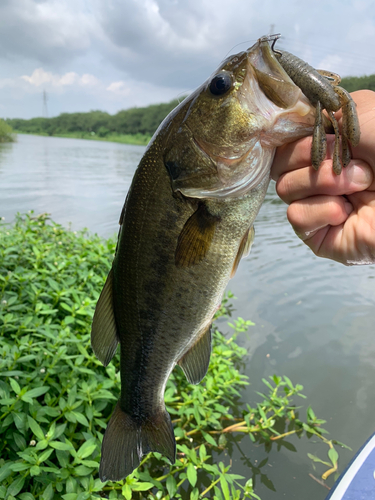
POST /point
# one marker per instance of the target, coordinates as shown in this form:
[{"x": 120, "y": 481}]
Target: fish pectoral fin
[
  {"x": 104, "y": 338},
  {"x": 195, "y": 361},
  {"x": 243, "y": 249},
  {"x": 195, "y": 238},
  {"x": 127, "y": 440}
]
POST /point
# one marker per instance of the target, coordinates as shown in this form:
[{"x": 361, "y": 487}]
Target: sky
[{"x": 117, "y": 54}]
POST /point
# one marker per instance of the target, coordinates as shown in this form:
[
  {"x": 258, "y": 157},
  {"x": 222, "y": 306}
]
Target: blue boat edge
[{"x": 357, "y": 482}]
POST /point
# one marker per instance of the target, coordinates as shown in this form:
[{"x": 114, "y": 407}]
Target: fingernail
[
  {"x": 359, "y": 175},
  {"x": 348, "y": 207}
]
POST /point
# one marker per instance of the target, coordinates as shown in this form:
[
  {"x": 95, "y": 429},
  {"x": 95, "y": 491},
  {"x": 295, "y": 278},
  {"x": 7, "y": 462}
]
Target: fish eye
[{"x": 220, "y": 83}]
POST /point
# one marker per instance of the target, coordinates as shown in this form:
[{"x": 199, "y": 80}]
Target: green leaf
[
  {"x": 87, "y": 448},
  {"x": 34, "y": 393},
  {"x": 209, "y": 439},
  {"x": 127, "y": 492},
  {"x": 333, "y": 455},
  {"x": 194, "y": 495},
  {"x": 35, "y": 427},
  {"x": 317, "y": 459},
  {"x": 202, "y": 452},
  {"x": 16, "y": 486},
  {"x": 26, "y": 496},
  {"x": 58, "y": 445},
  {"x": 141, "y": 486},
  {"x": 15, "y": 386},
  {"x": 18, "y": 466},
  {"x": 44, "y": 456},
  {"x": 35, "y": 470},
  {"x": 191, "y": 474},
  {"x": 171, "y": 486},
  {"x": 224, "y": 487},
  {"x": 48, "y": 492},
  {"x": 81, "y": 418},
  {"x": 81, "y": 470}
]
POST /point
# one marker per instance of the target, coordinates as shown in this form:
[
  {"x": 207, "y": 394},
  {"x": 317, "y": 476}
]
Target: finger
[
  {"x": 306, "y": 182},
  {"x": 308, "y": 216},
  {"x": 291, "y": 157}
]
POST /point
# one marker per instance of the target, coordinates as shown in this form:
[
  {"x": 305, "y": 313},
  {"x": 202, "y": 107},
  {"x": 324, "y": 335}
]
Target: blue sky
[{"x": 116, "y": 54}]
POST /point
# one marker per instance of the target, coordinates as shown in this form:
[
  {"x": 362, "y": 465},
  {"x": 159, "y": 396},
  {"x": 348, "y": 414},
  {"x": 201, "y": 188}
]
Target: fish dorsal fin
[
  {"x": 243, "y": 249},
  {"x": 195, "y": 361},
  {"x": 104, "y": 337},
  {"x": 195, "y": 238}
]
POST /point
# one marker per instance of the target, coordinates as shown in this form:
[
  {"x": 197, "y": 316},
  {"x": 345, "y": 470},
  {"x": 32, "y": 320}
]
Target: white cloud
[
  {"x": 119, "y": 88},
  {"x": 41, "y": 77}
]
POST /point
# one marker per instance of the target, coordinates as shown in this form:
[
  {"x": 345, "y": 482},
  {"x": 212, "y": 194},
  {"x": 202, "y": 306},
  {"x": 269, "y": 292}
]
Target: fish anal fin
[
  {"x": 104, "y": 337},
  {"x": 126, "y": 440},
  {"x": 243, "y": 249},
  {"x": 195, "y": 238},
  {"x": 195, "y": 361}
]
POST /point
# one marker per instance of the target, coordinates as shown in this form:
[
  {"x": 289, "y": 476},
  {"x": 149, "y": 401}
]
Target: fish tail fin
[{"x": 126, "y": 441}]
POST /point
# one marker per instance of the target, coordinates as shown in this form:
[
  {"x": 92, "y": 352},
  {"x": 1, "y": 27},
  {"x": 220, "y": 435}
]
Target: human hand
[{"x": 333, "y": 214}]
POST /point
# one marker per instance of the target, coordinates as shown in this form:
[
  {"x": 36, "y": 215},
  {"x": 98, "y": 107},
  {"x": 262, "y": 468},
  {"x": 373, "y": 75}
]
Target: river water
[{"x": 314, "y": 319}]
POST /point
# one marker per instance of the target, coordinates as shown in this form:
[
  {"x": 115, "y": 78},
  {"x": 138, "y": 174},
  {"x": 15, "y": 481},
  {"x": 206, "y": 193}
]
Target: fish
[{"x": 187, "y": 221}]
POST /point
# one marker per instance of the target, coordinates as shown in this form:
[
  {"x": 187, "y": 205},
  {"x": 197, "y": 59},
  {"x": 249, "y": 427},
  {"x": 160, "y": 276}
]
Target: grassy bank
[
  {"x": 137, "y": 139},
  {"x": 56, "y": 397},
  {"x": 6, "y": 132}
]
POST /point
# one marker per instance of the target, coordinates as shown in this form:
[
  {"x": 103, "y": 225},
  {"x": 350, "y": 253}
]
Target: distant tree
[{"x": 352, "y": 83}]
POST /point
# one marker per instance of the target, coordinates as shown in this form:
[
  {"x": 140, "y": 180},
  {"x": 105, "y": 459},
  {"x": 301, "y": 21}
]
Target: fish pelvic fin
[
  {"x": 126, "y": 441},
  {"x": 104, "y": 338},
  {"x": 195, "y": 361}
]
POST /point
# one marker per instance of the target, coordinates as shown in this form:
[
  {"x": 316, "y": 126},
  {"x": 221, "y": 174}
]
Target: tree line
[{"x": 130, "y": 121}]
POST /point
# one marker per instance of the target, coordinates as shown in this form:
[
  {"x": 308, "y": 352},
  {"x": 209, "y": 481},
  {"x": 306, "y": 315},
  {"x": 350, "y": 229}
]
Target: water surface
[{"x": 314, "y": 319}]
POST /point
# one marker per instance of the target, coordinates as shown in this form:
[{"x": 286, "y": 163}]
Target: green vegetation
[
  {"x": 352, "y": 83},
  {"x": 135, "y": 125},
  {"x": 56, "y": 397},
  {"x": 6, "y": 132}
]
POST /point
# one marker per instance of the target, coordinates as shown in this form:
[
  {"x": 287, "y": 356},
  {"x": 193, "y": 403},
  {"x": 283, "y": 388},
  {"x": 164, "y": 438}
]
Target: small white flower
[
  {"x": 2, "y": 218},
  {"x": 60, "y": 242},
  {"x": 32, "y": 442},
  {"x": 42, "y": 370},
  {"x": 74, "y": 232},
  {"x": 45, "y": 353},
  {"x": 4, "y": 302}
]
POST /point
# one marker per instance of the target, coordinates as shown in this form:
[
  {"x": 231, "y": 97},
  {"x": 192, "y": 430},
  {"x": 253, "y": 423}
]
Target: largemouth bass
[{"x": 186, "y": 223}]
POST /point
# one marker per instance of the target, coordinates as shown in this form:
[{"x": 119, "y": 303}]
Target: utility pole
[{"x": 45, "y": 109}]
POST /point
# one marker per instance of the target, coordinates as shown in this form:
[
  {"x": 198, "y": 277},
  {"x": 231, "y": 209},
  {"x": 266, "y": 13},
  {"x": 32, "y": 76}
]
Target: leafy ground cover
[{"x": 56, "y": 398}]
